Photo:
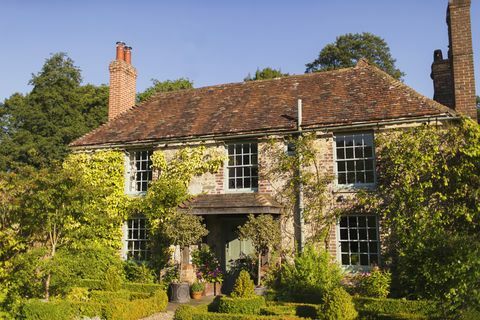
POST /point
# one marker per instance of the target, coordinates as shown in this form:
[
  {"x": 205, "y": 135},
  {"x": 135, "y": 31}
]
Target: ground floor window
[
  {"x": 359, "y": 240},
  {"x": 137, "y": 239}
]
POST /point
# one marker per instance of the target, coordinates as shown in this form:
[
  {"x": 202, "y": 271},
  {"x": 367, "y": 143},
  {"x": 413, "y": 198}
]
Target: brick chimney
[
  {"x": 453, "y": 78},
  {"x": 123, "y": 78}
]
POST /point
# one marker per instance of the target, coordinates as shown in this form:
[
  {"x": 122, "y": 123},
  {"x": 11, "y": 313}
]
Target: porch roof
[{"x": 232, "y": 203}]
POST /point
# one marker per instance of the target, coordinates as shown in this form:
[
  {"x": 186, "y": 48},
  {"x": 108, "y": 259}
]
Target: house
[{"x": 344, "y": 108}]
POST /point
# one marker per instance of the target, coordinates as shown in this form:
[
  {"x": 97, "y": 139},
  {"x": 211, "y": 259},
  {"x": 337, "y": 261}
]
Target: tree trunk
[{"x": 259, "y": 269}]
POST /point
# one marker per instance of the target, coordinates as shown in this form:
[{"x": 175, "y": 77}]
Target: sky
[{"x": 213, "y": 42}]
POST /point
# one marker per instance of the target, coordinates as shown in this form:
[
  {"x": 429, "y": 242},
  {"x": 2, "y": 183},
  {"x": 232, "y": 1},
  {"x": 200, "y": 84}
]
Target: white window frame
[
  {"x": 228, "y": 166},
  {"x": 352, "y": 186},
  {"x": 359, "y": 267},
  {"x": 131, "y": 174},
  {"x": 127, "y": 239}
]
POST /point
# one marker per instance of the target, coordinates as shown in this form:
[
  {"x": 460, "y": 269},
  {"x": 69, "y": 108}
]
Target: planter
[
  {"x": 180, "y": 292},
  {"x": 212, "y": 289},
  {"x": 260, "y": 291},
  {"x": 197, "y": 295}
]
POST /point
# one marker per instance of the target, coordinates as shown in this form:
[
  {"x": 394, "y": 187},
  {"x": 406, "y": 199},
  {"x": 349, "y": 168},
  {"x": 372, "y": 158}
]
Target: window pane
[
  {"x": 353, "y": 246},
  {"x": 345, "y": 259},
  {"x": 341, "y": 166},
  {"x": 254, "y": 148},
  {"x": 340, "y": 153},
  {"x": 239, "y": 172},
  {"x": 231, "y": 183},
  {"x": 372, "y": 221},
  {"x": 243, "y": 166},
  {"x": 246, "y": 148},
  {"x": 340, "y": 142},
  {"x": 254, "y": 182},
  {"x": 354, "y": 259},
  {"x": 362, "y": 221},
  {"x": 364, "y": 259},
  {"x": 351, "y": 166},
  {"x": 369, "y": 178},
  {"x": 343, "y": 222},
  {"x": 372, "y": 234},
  {"x": 344, "y": 234},
  {"x": 351, "y": 177},
  {"x": 373, "y": 246},
  {"x": 342, "y": 178},
  {"x": 368, "y": 152},
  {"x": 352, "y": 221},
  {"x": 231, "y": 149},
  {"x": 246, "y": 183},
  {"x": 247, "y": 172},
  {"x": 344, "y": 246},
  {"x": 368, "y": 164},
  {"x": 238, "y": 149},
  {"x": 349, "y": 153},
  {"x": 353, "y": 234},
  {"x": 360, "y": 177},
  {"x": 231, "y": 160},
  {"x": 238, "y": 160},
  {"x": 246, "y": 159},
  {"x": 359, "y": 165},
  {"x": 254, "y": 172},
  {"x": 363, "y": 247},
  {"x": 254, "y": 159},
  {"x": 362, "y": 234},
  {"x": 239, "y": 183},
  {"x": 374, "y": 259},
  {"x": 349, "y": 141},
  {"x": 231, "y": 172}
]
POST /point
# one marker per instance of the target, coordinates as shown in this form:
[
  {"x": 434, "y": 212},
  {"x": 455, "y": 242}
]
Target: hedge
[
  {"x": 383, "y": 308},
  {"x": 115, "y": 309},
  {"x": 187, "y": 312},
  {"x": 130, "y": 286},
  {"x": 241, "y": 305}
]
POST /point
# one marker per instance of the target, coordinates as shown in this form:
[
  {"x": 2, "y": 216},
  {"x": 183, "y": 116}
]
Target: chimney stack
[
  {"x": 123, "y": 77},
  {"x": 453, "y": 78}
]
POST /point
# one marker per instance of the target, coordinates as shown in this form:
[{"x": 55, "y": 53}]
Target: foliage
[
  {"x": 184, "y": 229},
  {"x": 78, "y": 294},
  {"x": 241, "y": 305},
  {"x": 244, "y": 287},
  {"x": 112, "y": 281},
  {"x": 349, "y": 48},
  {"x": 375, "y": 284},
  {"x": 308, "y": 278},
  {"x": 138, "y": 272},
  {"x": 171, "y": 273},
  {"x": 264, "y": 232},
  {"x": 282, "y": 169},
  {"x": 369, "y": 308},
  {"x": 265, "y": 73},
  {"x": 197, "y": 287},
  {"x": 207, "y": 265},
  {"x": 338, "y": 304},
  {"x": 37, "y": 127},
  {"x": 164, "y": 86},
  {"x": 428, "y": 190}
]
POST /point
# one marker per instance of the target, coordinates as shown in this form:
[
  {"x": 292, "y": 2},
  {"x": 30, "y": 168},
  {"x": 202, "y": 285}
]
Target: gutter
[{"x": 223, "y": 137}]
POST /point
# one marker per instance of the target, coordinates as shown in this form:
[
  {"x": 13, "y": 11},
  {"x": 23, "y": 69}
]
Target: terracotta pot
[
  {"x": 217, "y": 288},
  {"x": 197, "y": 295},
  {"x": 209, "y": 289}
]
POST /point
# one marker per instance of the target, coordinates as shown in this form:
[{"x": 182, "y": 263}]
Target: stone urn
[{"x": 180, "y": 292}]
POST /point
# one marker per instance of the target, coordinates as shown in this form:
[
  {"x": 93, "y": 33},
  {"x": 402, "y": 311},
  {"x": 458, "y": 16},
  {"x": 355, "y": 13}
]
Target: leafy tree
[
  {"x": 164, "y": 86},
  {"x": 264, "y": 232},
  {"x": 428, "y": 191},
  {"x": 348, "y": 49},
  {"x": 265, "y": 73},
  {"x": 37, "y": 127}
]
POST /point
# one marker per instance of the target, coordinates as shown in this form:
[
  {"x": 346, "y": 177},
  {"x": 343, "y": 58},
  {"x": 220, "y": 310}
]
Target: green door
[{"x": 234, "y": 247}]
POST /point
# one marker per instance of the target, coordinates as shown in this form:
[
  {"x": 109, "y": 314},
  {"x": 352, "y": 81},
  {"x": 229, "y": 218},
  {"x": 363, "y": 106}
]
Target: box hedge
[
  {"x": 373, "y": 308},
  {"x": 251, "y": 305},
  {"x": 114, "y": 309},
  {"x": 186, "y": 312},
  {"x": 130, "y": 286}
]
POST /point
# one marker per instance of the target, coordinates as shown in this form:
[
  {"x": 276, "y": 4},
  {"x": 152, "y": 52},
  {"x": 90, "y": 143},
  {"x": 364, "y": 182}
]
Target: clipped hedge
[
  {"x": 115, "y": 309},
  {"x": 130, "y": 286},
  {"x": 292, "y": 309},
  {"x": 251, "y": 305},
  {"x": 186, "y": 312},
  {"x": 382, "y": 308}
]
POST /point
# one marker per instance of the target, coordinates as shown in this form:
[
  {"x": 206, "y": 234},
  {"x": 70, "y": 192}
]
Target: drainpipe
[{"x": 299, "y": 223}]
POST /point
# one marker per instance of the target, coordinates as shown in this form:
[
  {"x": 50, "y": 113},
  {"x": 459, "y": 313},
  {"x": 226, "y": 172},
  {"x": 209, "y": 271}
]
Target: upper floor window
[
  {"x": 359, "y": 240},
  {"x": 140, "y": 170},
  {"x": 355, "y": 159},
  {"x": 137, "y": 239},
  {"x": 242, "y": 166}
]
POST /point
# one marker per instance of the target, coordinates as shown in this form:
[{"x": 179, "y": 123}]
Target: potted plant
[
  {"x": 197, "y": 290},
  {"x": 208, "y": 270}
]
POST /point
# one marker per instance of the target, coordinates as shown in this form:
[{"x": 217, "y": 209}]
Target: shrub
[
  {"x": 130, "y": 286},
  {"x": 39, "y": 310},
  {"x": 250, "y": 305},
  {"x": 371, "y": 307},
  {"x": 138, "y": 272},
  {"x": 292, "y": 309},
  {"x": 244, "y": 287},
  {"x": 308, "y": 278},
  {"x": 106, "y": 296},
  {"x": 197, "y": 287},
  {"x": 186, "y": 312},
  {"x": 112, "y": 280},
  {"x": 337, "y": 304},
  {"x": 375, "y": 284},
  {"x": 78, "y": 294}
]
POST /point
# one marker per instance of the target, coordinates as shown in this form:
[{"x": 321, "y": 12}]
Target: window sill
[
  {"x": 354, "y": 188},
  {"x": 241, "y": 190},
  {"x": 136, "y": 194}
]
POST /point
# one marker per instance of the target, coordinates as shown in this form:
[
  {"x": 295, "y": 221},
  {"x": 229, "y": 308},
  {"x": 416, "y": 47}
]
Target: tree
[
  {"x": 427, "y": 197},
  {"x": 264, "y": 232},
  {"x": 348, "y": 49},
  {"x": 164, "y": 86},
  {"x": 37, "y": 127},
  {"x": 265, "y": 73}
]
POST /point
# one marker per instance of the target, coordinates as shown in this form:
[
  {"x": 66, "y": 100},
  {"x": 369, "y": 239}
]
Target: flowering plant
[{"x": 208, "y": 267}]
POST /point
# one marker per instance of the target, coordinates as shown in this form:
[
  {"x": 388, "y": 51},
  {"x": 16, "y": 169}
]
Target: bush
[
  {"x": 293, "y": 309},
  {"x": 106, "y": 296},
  {"x": 112, "y": 280},
  {"x": 372, "y": 307},
  {"x": 39, "y": 310},
  {"x": 244, "y": 286},
  {"x": 251, "y": 305},
  {"x": 310, "y": 276},
  {"x": 78, "y": 294},
  {"x": 186, "y": 312},
  {"x": 375, "y": 284},
  {"x": 197, "y": 287},
  {"x": 138, "y": 272},
  {"x": 337, "y": 304},
  {"x": 130, "y": 286}
]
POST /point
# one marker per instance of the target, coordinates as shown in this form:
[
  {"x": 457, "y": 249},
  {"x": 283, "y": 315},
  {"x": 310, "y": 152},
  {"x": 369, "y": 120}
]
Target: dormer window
[
  {"x": 242, "y": 168},
  {"x": 140, "y": 171}
]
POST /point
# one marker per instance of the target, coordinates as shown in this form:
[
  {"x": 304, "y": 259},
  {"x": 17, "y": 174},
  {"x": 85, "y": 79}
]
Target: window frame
[
  {"x": 131, "y": 171},
  {"x": 227, "y": 167},
  {"x": 353, "y": 186},
  {"x": 126, "y": 239},
  {"x": 359, "y": 268}
]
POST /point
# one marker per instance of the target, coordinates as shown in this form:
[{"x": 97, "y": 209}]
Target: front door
[{"x": 234, "y": 247}]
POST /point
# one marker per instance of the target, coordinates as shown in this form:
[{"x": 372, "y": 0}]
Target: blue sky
[{"x": 213, "y": 42}]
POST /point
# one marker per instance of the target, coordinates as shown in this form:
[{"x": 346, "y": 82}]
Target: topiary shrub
[
  {"x": 337, "y": 304},
  {"x": 244, "y": 286},
  {"x": 184, "y": 312},
  {"x": 138, "y": 272},
  {"x": 112, "y": 281},
  {"x": 375, "y": 284},
  {"x": 250, "y": 305}
]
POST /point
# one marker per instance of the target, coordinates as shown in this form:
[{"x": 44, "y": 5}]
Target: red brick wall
[{"x": 122, "y": 88}]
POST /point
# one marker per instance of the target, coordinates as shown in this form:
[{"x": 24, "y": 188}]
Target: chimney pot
[
  {"x": 120, "y": 51},
  {"x": 128, "y": 54}
]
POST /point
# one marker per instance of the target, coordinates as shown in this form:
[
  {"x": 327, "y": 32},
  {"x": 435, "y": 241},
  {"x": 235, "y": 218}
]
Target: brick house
[{"x": 345, "y": 108}]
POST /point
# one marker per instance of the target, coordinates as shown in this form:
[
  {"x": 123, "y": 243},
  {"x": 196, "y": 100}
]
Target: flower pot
[
  {"x": 209, "y": 289},
  {"x": 180, "y": 292},
  {"x": 197, "y": 295},
  {"x": 217, "y": 288}
]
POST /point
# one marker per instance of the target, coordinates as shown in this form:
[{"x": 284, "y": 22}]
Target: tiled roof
[
  {"x": 357, "y": 95},
  {"x": 232, "y": 203}
]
